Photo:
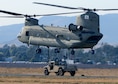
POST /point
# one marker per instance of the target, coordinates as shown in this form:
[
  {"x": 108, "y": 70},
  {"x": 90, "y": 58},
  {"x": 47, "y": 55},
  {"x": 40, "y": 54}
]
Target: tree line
[{"x": 24, "y": 53}]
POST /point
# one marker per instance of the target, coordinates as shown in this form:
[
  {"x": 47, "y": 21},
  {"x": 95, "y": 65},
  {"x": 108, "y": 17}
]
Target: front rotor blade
[
  {"x": 12, "y": 16},
  {"x": 16, "y": 15},
  {"x": 11, "y": 13},
  {"x": 57, "y": 5}
]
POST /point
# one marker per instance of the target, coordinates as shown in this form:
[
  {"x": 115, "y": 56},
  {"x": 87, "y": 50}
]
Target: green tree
[
  {"x": 13, "y": 50},
  {"x": 5, "y": 50},
  {"x": 2, "y": 58}
]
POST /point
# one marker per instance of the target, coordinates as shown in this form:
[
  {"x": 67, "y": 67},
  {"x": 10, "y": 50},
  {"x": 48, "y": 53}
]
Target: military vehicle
[{"x": 60, "y": 68}]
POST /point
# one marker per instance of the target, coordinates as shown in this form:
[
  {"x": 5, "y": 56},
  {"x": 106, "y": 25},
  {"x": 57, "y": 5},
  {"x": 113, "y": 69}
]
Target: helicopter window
[
  {"x": 27, "y": 33},
  {"x": 86, "y": 17}
]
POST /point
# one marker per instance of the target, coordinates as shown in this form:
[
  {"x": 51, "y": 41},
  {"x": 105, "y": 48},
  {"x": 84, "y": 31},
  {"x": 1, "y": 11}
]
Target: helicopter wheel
[
  {"x": 57, "y": 50},
  {"x": 92, "y": 52},
  {"x": 38, "y": 50},
  {"x": 72, "y": 52}
]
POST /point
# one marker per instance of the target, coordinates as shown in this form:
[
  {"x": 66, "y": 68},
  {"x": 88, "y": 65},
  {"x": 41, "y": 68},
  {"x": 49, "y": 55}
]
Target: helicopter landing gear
[
  {"x": 92, "y": 51},
  {"x": 57, "y": 50},
  {"x": 72, "y": 52},
  {"x": 38, "y": 50}
]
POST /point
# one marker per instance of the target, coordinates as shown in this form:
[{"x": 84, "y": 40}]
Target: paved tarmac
[
  {"x": 41, "y": 65},
  {"x": 52, "y": 76},
  {"x": 32, "y": 65}
]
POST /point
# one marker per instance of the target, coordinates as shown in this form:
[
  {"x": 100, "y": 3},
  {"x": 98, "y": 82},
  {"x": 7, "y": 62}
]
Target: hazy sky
[{"x": 27, "y": 7}]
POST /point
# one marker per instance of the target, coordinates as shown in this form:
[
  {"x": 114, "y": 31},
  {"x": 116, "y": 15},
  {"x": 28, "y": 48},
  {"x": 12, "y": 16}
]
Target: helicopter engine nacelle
[{"x": 72, "y": 27}]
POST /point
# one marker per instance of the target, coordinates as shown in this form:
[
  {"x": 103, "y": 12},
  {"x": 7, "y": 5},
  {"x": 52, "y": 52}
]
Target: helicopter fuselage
[
  {"x": 58, "y": 37},
  {"x": 84, "y": 34}
]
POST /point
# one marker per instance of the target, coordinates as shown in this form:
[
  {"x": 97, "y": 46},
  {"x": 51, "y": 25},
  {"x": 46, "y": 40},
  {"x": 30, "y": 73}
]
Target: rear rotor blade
[
  {"x": 80, "y": 8},
  {"x": 59, "y": 6},
  {"x": 58, "y": 14}
]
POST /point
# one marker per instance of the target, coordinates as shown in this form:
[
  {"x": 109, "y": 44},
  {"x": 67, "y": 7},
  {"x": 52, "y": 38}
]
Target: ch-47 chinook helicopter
[{"x": 84, "y": 34}]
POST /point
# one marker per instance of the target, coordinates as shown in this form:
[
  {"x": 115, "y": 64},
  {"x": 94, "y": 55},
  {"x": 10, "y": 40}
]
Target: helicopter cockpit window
[
  {"x": 86, "y": 17},
  {"x": 27, "y": 33}
]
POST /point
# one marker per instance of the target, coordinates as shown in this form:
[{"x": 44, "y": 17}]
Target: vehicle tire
[
  {"x": 46, "y": 72},
  {"x": 57, "y": 74},
  {"x": 60, "y": 72},
  {"x": 72, "y": 73}
]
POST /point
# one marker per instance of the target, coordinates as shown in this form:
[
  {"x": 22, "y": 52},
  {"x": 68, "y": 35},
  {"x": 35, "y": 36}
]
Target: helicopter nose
[{"x": 19, "y": 37}]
